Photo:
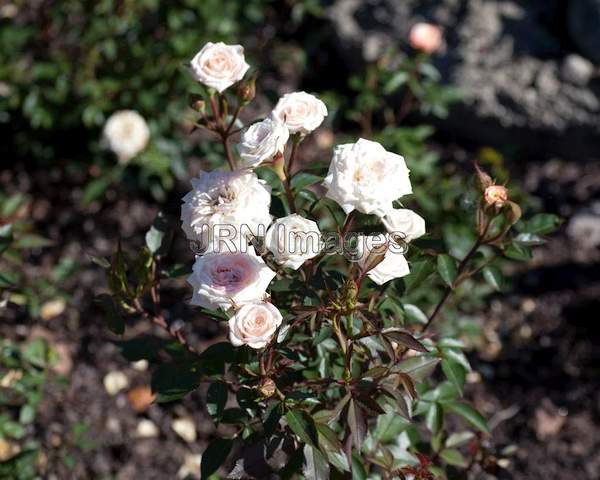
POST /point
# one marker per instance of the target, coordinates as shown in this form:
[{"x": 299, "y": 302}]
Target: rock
[
  {"x": 584, "y": 230},
  {"x": 146, "y": 429},
  {"x": 52, "y": 308},
  {"x": 190, "y": 467},
  {"x": 521, "y": 86},
  {"x": 115, "y": 381},
  {"x": 583, "y": 18},
  {"x": 185, "y": 428},
  {"x": 577, "y": 70}
]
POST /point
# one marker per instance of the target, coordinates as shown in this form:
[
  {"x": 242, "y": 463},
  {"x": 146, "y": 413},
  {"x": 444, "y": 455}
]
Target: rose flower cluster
[{"x": 235, "y": 205}]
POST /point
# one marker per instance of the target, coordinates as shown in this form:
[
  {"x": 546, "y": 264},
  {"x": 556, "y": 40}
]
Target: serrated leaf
[
  {"x": 458, "y": 439},
  {"x": 542, "y": 224},
  {"x": 419, "y": 271},
  {"x": 446, "y": 267},
  {"x": 172, "y": 381},
  {"x": 469, "y": 414},
  {"x": 419, "y": 367},
  {"x": 415, "y": 314}
]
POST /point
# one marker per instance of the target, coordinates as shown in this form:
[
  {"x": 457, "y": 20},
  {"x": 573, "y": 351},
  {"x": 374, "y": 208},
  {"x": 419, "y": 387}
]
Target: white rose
[
  {"x": 300, "y": 111},
  {"x": 226, "y": 205},
  {"x": 254, "y": 324},
  {"x": 224, "y": 280},
  {"x": 262, "y": 141},
  {"x": 219, "y": 66},
  {"x": 293, "y": 240},
  {"x": 365, "y": 177},
  {"x": 126, "y": 133},
  {"x": 405, "y": 223},
  {"x": 393, "y": 265}
]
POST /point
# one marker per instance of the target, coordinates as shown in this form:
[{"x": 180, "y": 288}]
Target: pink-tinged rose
[
  {"x": 254, "y": 324},
  {"x": 301, "y": 112},
  {"x": 219, "y": 65},
  {"x": 226, "y": 280},
  {"x": 495, "y": 195},
  {"x": 425, "y": 37}
]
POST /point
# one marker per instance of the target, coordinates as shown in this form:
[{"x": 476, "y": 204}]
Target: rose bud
[
  {"x": 425, "y": 37},
  {"x": 495, "y": 195},
  {"x": 247, "y": 90},
  {"x": 267, "y": 388}
]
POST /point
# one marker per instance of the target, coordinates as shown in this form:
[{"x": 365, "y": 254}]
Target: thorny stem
[{"x": 286, "y": 182}]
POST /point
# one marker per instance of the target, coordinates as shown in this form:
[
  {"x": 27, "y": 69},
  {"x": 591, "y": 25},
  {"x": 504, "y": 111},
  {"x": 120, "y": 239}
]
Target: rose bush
[{"x": 331, "y": 369}]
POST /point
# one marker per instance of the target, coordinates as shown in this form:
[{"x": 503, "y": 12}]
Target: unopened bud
[
  {"x": 199, "y": 106},
  {"x": 483, "y": 179},
  {"x": 495, "y": 195},
  {"x": 425, "y": 37},
  {"x": 278, "y": 166},
  {"x": 267, "y": 388},
  {"x": 247, "y": 90}
]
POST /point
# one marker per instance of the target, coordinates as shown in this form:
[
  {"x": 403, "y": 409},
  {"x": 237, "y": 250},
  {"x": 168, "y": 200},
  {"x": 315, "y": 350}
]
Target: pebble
[
  {"x": 185, "y": 428},
  {"x": 115, "y": 381}
]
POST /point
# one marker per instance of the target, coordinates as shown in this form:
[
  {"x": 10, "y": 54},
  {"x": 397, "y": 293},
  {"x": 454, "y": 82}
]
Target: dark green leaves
[
  {"x": 446, "y": 267},
  {"x": 541, "y": 224},
  {"x": 404, "y": 338},
  {"x": 172, "y": 381},
  {"x": 493, "y": 276},
  {"x": 303, "y": 426},
  {"x": 469, "y": 414},
  {"x": 358, "y": 424},
  {"x": 216, "y": 398},
  {"x": 214, "y": 456},
  {"x": 302, "y": 180}
]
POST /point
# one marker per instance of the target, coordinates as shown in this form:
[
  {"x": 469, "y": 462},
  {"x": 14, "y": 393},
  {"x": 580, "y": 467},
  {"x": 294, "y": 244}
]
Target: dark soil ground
[{"x": 539, "y": 365}]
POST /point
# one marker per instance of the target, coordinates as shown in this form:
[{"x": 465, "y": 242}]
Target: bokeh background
[{"x": 526, "y": 77}]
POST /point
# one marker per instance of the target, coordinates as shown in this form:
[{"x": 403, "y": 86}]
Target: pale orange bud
[
  {"x": 495, "y": 195},
  {"x": 425, "y": 37}
]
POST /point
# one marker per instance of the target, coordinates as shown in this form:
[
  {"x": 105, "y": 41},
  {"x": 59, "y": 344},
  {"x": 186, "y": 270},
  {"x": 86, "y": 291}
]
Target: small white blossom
[
  {"x": 404, "y": 222},
  {"x": 365, "y": 177},
  {"x": 393, "y": 265},
  {"x": 300, "y": 111},
  {"x": 293, "y": 240},
  {"x": 126, "y": 134},
  {"x": 254, "y": 324},
  {"x": 219, "y": 65},
  {"x": 224, "y": 201},
  {"x": 262, "y": 141}
]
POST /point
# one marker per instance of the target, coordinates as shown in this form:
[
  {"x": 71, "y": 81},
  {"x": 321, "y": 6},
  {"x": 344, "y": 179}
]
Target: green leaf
[
  {"x": 455, "y": 373},
  {"x": 315, "y": 466},
  {"x": 214, "y": 456},
  {"x": 302, "y": 180},
  {"x": 518, "y": 252},
  {"x": 493, "y": 276},
  {"x": 154, "y": 238},
  {"x": 419, "y": 271},
  {"x": 112, "y": 315},
  {"x": 469, "y": 414},
  {"x": 458, "y": 439},
  {"x": 415, "y": 314},
  {"x": 172, "y": 381},
  {"x": 37, "y": 352},
  {"x": 31, "y": 241},
  {"x": 419, "y": 367},
  {"x": 454, "y": 457},
  {"x": 94, "y": 190},
  {"x": 434, "y": 418},
  {"x": 358, "y": 469},
  {"x": 216, "y": 398},
  {"x": 145, "y": 347},
  {"x": 302, "y": 426},
  {"x": 446, "y": 267},
  {"x": 394, "y": 83},
  {"x": 542, "y": 224},
  {"x": 357, "y": 423}
]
